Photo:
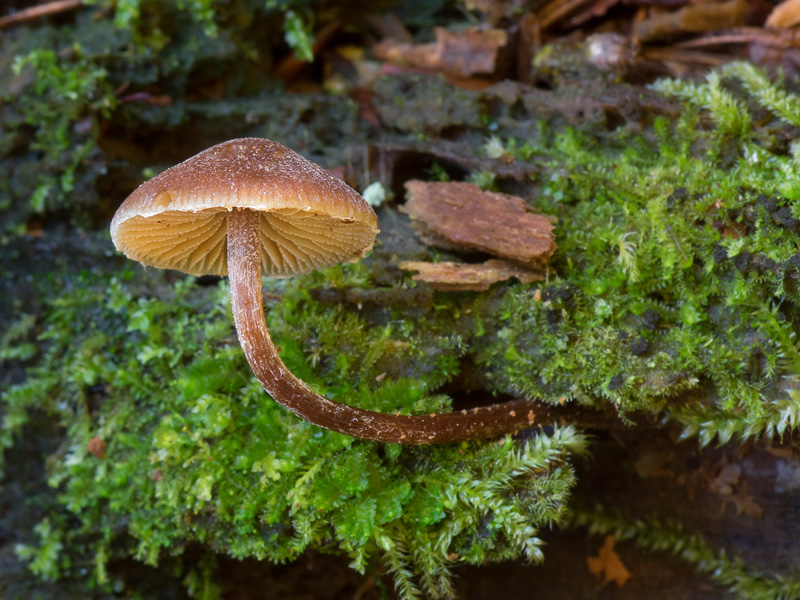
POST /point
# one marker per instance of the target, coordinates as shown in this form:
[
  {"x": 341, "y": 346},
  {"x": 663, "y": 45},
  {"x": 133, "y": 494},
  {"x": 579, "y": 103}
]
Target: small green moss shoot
[{"x": 67, "y": 97}]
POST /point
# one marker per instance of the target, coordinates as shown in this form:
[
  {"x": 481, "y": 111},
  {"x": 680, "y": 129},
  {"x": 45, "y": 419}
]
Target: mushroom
[{"x": 249, "y": 207}]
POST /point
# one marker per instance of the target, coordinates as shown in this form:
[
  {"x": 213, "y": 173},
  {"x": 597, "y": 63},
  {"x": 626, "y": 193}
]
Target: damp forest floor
[{"x": 141, "y": 459}]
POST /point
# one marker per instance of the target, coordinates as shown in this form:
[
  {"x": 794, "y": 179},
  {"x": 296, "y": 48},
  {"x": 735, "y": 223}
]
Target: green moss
[
  {"x": 67, "y": 97},
  {"x": 674, "y": 289},
  {"x": 15, "y": 341},
  {"x": 676, "y": 273},
  {"x": 45, "y": 557},
  {"x": 197, "y": 452}
]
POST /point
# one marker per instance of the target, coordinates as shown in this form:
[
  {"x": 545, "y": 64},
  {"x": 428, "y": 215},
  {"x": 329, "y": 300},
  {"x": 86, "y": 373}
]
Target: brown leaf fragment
[
  {"x": 693, "y": 18},
  {"x": 462, "y": 54},
  {"x": 785, "y": 15},
  {"x": 607, "y": 565},
  {"x": 461, "y": 216},
  {"x": 460, "y": 277}
]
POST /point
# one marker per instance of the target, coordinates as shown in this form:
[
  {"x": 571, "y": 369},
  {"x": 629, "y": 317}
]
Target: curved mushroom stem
[{"x": 244, "y": 270}]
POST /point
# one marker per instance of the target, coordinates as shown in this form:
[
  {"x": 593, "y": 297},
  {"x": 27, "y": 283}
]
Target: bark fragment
[
  {"x": 461, "y": 216},
  {"x": 461, "y": 277}
]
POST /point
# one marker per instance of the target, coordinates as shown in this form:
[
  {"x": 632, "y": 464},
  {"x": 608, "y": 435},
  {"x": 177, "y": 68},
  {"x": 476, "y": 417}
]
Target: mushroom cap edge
[{"x": 310, "y": 219}]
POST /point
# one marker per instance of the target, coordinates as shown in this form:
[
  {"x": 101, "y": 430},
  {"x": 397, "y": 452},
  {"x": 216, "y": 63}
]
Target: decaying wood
[
  {"x": 461, "y": 216},
  {"x": 461, "y": 54},
  {"x": 461, "y": 277},
  {"x": 530, "y": 42},
  {"x": 574, "y": 103}
]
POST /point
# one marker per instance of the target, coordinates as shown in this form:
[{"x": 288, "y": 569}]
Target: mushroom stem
[{"x": 244, "y": 270}]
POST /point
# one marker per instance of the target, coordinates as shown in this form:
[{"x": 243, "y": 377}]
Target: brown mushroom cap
[{"x": 309, "y": 219}]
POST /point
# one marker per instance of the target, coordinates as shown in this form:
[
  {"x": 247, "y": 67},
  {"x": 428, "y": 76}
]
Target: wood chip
[
  {"x": 461, "y": 216},
  {"x": 462, "y": 277}
]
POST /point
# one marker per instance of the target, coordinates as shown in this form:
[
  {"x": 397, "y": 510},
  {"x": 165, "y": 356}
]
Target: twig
[
  {"x": 557, "y": 10},
  {"x": 43, "y": 10},
  {"x": 703, "y": 58},
  {"x": 598, "y": 9},
  {"x": 745, "y": 35}
]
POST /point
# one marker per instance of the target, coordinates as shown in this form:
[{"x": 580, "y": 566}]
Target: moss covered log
[{"x": 672, "y": 300}]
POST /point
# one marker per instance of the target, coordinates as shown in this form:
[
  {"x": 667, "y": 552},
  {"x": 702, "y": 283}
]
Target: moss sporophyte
[{"x": 249, "y": 204}]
